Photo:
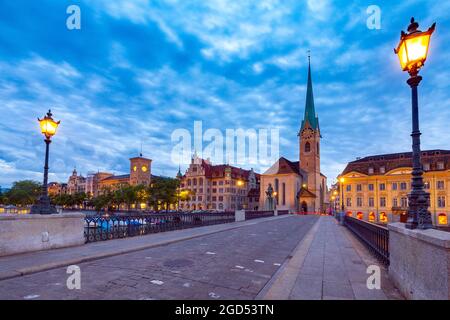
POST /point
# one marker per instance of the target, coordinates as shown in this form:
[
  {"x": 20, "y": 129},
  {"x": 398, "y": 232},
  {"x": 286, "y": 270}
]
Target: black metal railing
[
  {"x": 258, "y": 214},
  {"x": 375, "y": 237},
  {"x": 102, "y": 228}
]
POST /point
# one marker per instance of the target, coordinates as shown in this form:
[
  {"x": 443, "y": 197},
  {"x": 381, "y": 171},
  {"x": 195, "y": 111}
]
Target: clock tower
[
  {"x": 309, "y": 142},
  {"x": 140, "y": 171}
]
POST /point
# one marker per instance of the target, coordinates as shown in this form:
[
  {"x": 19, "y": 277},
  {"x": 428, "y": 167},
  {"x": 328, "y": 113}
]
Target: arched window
[
  {"x": 283, "y": 189},
  {"x": 383, "y": 217},
  {"x": 307, "y": 147}
]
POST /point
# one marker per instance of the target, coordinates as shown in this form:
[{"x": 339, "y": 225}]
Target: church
[{"x": 298, "y": 186}]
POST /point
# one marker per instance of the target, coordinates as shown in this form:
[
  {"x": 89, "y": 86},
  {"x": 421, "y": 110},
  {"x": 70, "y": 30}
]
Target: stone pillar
[
  {"x": 239, "y": 215},
  {"x": 420, "y": 262},
  {"x": 28, "y": 233}
]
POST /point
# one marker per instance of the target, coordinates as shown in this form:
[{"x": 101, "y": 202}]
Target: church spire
[{"x": 310, "y": 111}]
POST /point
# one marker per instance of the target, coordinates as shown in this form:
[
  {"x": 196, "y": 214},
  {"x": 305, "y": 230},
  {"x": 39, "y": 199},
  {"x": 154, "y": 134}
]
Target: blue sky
[{"x": 137, "y": 70}]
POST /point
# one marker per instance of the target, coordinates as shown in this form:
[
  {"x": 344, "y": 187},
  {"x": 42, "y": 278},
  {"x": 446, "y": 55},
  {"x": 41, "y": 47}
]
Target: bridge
[{"x": 274, "y": 257}]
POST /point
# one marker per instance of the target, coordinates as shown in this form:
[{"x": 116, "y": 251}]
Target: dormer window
[
  {"x": 371, "y": 170},
  {"x": 382, "y": 169},
  {"x": 440, "y": 165},
  {"x": 426, "y": 167}
]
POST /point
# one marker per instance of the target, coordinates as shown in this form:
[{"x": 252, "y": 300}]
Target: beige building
[
  {"x": 218, "y": 187},
  {"x": 376, "y": 187},
  {"x": 299, "y": 186}
]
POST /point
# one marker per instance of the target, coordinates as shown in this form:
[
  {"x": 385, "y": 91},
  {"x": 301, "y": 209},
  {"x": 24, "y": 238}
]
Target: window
[
  {"x": 403, "y": 186},
  {"x": 370, "y": 170},
  {"x": 440, "y": 185},
  {"x": 349, "y": 187},
  {"x": 383, "y": 217},
  {"x": 359, "y": 187},
  {"x": 214, "y": 198},
  {"x": 394, "y": 186},
  {"x": 359, "y": 202},
  {"x": 284, "y": 193},
  {"x": 441, "y": 202},
  {"x": 426, "y": 185},
  {"x": 383, "y": 202},
  {"x": 426, "y": 167},
  {"x": 382, "y": 186},
  {"x": 349, "y": 202},
  {"x": 382, "y": 169},
  {"x": 395, "y": 202},
  {"x": 359, "y": 215},
  {"x": 440, "y": 166},
  {"x": 221, "y": 198},
  {"x": 307, "y": 147},
  {"x": 372, "y": 217},
  {"x": 371, "y": 202},
  {"x": 442, "y": 219},
  {"x": 404, "y": 202},
  {"x": 371, "y": 187}
]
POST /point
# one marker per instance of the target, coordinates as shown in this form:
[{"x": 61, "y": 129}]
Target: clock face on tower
[
  {"x": 144, "y": 169},
  {"x": 308, "y": 133}
]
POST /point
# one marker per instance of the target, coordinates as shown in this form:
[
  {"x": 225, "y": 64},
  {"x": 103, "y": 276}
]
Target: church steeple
[{"x": 310, "y": 111}]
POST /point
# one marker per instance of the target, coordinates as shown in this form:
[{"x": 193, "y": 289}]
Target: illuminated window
[
  {"x": 442, "y": 219},
  {"x": 383, "y": 217},
  {"x": 370, "y": 170},
  {"x": 372, "y": 217},
  {"x": 360, "y": 215},
  {"x": 349, "y": 214},
  {"x": 382, "y": 169}
]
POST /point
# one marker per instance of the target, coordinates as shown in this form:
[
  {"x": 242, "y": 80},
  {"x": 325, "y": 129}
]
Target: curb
[{"x": 11, "y": 274}]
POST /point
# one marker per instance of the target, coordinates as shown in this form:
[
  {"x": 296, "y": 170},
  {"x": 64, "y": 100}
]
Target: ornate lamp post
[
  {"x": 412, "y": 52},
  {"x": 342, "y": 180},
  {"x": 48, "y": 129}
]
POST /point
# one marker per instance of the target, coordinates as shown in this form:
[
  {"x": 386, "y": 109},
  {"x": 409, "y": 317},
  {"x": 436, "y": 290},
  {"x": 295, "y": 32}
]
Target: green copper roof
[{"x": 310, "y": 111}]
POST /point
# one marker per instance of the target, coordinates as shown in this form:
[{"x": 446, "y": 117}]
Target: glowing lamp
[
  {"x": 342, "y": 180},
  {"x": 48, "y": 125},
  {"x": 240, "y": 183},
  {"x": 412, "y": 50}
]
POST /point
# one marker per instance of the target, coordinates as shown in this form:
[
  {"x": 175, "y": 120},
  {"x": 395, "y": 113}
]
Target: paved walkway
[
  {"x": 329, "y": 264},
  {"x": 288, "y": 257},
  {"x": 28, "y": 263}
]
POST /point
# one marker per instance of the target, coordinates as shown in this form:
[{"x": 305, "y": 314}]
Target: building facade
[
  {"x": 218, "y": 187},
  {"x": 376, "y": 188},
  {"x": 98, "y": 183},
  {"x": 299, "y": 186}
]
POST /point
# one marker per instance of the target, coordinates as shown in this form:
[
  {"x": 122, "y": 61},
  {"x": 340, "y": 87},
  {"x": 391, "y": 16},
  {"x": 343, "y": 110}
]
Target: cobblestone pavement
[{"x": 234, "y": 264}]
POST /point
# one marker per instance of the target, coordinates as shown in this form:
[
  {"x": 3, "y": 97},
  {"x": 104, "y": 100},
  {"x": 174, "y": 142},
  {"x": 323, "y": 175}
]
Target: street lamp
[
  {"x": 342, "y": 180},
  {"x": 48, "y": 129},
  {"x": 412, "y": 52}
]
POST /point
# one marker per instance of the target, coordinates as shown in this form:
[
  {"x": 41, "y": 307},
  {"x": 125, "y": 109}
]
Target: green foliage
[
  {"x": 163, "y": 192},
  {"x": 23, "y": 193}
]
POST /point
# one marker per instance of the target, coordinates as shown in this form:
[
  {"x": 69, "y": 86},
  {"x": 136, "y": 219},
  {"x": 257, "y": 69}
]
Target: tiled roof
[
  {"x": 121, "y": 177},
  {"x": 398, "y": 160}
]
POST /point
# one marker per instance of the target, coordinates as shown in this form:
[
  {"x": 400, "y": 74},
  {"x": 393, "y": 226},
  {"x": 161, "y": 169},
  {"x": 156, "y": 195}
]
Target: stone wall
[
  {"x": 420, "y": 262},
  {"x": 27, "y": 233}
]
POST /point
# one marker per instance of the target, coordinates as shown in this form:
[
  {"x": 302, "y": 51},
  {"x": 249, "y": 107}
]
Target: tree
[
  {"x": 163, "y": 192},
  {"x": 24, "y": 192}
]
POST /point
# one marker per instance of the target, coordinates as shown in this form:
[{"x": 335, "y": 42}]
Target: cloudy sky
[{"x": 138, "y": 70}]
